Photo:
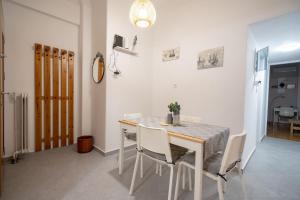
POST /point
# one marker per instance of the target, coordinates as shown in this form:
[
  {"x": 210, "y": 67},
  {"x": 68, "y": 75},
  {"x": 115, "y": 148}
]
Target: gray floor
[{"x": 273, "y": 173}]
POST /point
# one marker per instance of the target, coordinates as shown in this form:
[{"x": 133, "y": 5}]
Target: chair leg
[
  {"x": 220, "y": 189},
  {"x": 156, "y": 169},
  {"x": 142, "y": 167},
  {"x": 171, "y": 183},
  {"x": 224, "y": 186},
  {"x": 121, "y": 152},
  {"x": 183, "y": 177},
  {"x": 177, "y": 182},
  {"x": 242, "y": 182},
  {"x": 160, "y": 169},
  {"x": 190, "y": 179},
  {"x": 136, "y": 165}
]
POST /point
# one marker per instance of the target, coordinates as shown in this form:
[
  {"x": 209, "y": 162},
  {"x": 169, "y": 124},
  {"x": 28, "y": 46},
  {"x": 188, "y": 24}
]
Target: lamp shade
[{"x": 142, "y": 13}]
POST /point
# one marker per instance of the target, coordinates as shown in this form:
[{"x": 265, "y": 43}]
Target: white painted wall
[
  {"x": 98, "y": 91},
  {"x": 67, "y": 10},
  {"x": 130, "y": 92},
  {"x": 251, "y": 99},
  {"x": 86, "y": 52},
  {"x": 275, "y": 32},
  {"x": 24, "y": 27}
]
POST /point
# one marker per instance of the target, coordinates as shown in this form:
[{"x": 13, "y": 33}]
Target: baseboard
[
  {"x": 244, "y": 165},
  {"x": 262, "y": 138},
  {"x": 8, "y": 157},
  {"x": 112, "y": 152},
  {"x": 99, "y": 150}
]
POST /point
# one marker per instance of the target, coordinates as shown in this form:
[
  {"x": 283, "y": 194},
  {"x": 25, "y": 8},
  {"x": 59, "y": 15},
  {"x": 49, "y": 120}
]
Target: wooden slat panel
[
  {"x": 47, "y": 93},
  {"x": 38, "y": 93},
  {"x": 71, "y": 94},
  {"x": 55, "y": 98},
  {"x": 64, "y": 60}
]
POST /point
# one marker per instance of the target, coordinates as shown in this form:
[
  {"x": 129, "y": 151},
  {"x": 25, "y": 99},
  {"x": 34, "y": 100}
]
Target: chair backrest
[
  {"x": 155, "y": 140},
  {"x": 233, "y": 152},
  {"x": 186, "y": 118},
  {"x": 130, "y": 116},
  {"x": 286, "y": 112}
]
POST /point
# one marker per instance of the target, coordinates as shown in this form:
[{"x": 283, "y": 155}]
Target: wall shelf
[{"x": 127, "y": 51}]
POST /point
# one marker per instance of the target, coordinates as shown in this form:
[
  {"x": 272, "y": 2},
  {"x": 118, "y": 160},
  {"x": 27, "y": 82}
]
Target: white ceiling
[{"x": 281, "y": 34}]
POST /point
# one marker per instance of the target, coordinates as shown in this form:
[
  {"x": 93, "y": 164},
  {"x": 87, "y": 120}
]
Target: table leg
[
  {"x": 121, "y": 151},
  {"x": 198, "y": 173}
]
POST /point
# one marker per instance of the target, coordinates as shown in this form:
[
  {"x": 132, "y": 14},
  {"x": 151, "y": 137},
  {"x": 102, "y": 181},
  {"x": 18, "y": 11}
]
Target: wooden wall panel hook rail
[
  {"x": 47, "y": 92},
  {"x": 54, "y": 85},
  {"x": 38, "y": 92},
  {"x": 71, "y": 94},
  {"x": 55, "y": 98},
  {"x": 64, "y": 76}
]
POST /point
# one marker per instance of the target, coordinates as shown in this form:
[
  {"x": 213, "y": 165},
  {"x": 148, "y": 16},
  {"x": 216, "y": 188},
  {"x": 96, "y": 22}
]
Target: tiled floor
[{"x": 273, "y": 173}]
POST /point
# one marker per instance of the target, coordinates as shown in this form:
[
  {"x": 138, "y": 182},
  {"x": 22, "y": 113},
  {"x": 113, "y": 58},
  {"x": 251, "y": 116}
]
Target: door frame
[
  {"x": 2, "y": 77},
  {"x": 262, "y": 98}
]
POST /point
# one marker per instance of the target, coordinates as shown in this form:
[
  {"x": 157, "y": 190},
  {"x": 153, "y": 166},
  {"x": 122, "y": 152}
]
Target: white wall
[
  {"x": 98, "y": 91},
  {"x": 251, "y": 99},
  {"x": 66, "y": 10},
  {"x": 217, "y": 95},
  {"x": 86, "y": 52},
  {"x": 25, "y": 26},
  {"x": 131, "y": 91}
]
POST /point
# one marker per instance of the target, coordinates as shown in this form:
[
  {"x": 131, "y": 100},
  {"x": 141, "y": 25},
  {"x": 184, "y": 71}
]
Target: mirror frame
[{"x": 101, "y": 59}]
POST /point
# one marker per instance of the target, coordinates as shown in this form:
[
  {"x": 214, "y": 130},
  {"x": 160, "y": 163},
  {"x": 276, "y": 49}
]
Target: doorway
[
  {"x": 262, "y": 79},
  {"x": 284, "y": 101},
  {"x": 277, "y": 76}
]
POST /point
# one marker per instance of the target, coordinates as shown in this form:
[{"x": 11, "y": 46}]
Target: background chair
[
  {"x": 128, "y": 134},
  {"x": 295, "y": 126},
  {"x": 286, "y": 114},
  {"x": 219, "y": 167},
  {"x": 154, "y": 144},
  {"x": 131, "y": 135}
]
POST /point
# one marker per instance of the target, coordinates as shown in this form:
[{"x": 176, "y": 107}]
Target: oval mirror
[{"x": 98, "y": 68}]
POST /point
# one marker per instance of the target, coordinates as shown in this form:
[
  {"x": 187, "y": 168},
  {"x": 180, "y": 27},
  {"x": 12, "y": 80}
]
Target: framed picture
[
  {"x": 211, "y": 58},
  {"x": 171, "y": 54}
]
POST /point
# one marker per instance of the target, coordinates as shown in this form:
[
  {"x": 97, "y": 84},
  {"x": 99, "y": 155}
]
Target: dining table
[{"x": 204, "y": 139}]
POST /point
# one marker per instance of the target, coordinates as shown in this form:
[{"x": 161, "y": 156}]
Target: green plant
[{"x": 174, "y": 108}]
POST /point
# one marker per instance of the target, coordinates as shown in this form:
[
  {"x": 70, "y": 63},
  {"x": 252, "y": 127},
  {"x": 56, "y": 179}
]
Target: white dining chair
[
  {"x": 154, "y": 144},
  {"x": 192, "y": 119},
  {"x": 131, "y": 135},
  {"x": 220, "y": 166},
  {"x": 131, "y": 116}
]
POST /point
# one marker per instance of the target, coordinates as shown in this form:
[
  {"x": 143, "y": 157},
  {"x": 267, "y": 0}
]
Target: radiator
[{"x": 20, "y": 124}]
